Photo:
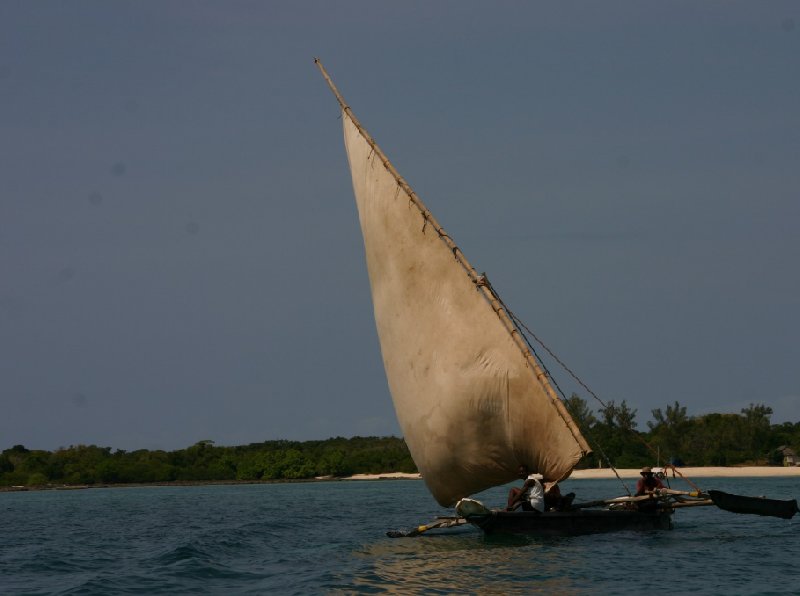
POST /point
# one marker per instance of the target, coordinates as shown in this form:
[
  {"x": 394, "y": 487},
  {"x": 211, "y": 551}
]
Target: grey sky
[{"x": 180, "y": 256}]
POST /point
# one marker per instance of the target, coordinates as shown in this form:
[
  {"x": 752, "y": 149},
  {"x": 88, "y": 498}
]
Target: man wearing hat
[
  {"x": 648, "y": 482},
  {"x": 530, "y": 496}
]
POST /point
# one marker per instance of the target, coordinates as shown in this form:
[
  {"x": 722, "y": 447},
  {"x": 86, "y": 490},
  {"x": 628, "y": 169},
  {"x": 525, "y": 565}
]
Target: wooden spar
[
  {"x": 727, "y": 502},
  {"x": 613, "y": 501},
  {"x": 477, "y": 279},
  {"x": 685, "y": 493},
  {"x": 442, "y": 522},
  {"x": 700, "y": 503},
  {"x": 694, "y": 498}
]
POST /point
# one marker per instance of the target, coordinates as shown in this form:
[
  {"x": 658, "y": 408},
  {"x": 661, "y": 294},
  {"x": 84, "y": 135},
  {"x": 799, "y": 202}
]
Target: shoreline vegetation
[
  {"x": 692, "y": 473},
  {"x": 744, "y": 444}
]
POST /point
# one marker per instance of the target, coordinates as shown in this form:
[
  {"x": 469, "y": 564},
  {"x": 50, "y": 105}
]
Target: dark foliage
[
  {"x": 673, "y": 436},
  {"x": 204, "y": 461}
]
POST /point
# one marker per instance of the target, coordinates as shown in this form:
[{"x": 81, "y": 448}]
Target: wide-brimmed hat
[{"x": 646, "y": 470}]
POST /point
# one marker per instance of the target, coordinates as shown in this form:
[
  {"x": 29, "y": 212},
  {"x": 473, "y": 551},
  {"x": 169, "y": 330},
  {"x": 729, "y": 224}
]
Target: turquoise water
[{"x": 329, "y": 537}]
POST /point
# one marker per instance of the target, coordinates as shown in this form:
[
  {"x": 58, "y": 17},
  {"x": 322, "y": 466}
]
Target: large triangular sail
[{"x": 471, "y": 400}]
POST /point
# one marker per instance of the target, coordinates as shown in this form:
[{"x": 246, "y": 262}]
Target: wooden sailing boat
[{"x": 471, "y": 398}]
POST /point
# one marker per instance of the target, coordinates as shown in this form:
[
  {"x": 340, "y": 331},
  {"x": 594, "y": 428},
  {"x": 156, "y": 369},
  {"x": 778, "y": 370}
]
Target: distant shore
[
  {"x": 594, "y": 473},
  {"x": 600, "y": 473}
]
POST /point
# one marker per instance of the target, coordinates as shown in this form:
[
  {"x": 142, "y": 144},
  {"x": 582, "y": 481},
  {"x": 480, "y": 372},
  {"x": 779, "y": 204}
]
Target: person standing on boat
[
  {"x": 530, "y": 496},
  {"x": 648, "y": 483}
]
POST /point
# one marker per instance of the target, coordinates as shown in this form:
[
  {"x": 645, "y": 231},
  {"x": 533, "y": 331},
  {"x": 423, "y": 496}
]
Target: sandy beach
[
  {"x": 698, "y": 472},
  {"x": 386, "y": 476},
  {"x": 704, "y": 472}
]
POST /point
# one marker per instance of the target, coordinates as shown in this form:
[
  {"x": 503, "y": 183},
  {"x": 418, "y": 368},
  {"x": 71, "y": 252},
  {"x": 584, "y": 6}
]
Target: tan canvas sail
[{"x": 466, "y": 393}]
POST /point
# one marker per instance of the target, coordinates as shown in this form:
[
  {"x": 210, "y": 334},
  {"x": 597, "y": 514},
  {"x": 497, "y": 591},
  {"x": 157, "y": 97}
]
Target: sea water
[{"x": 330, "y": 537}]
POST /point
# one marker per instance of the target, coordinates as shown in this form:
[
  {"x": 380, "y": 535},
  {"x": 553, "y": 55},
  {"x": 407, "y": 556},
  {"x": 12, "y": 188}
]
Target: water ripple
[{"x": 254, "y": 540}]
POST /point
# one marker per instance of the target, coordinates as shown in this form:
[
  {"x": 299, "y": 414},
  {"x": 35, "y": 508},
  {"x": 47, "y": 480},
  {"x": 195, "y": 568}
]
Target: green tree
[
  {"x": 332, "y": 463},
  {"x": 715, "y": 440},
  {"x": 668, "y": 430},
  {"x": 756, "y": 431},
  {"x": 294, "y": 465},
  {"x": 625, "y": 417},
  {"x": 580, "y": 412},
  {"x": 36, "y": 479},
  {"x": 616, "y": 436}
]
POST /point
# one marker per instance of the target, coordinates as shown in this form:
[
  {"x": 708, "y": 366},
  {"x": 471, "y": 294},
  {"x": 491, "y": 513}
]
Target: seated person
[
  {"x": 648, "y": 483},
  {"x": 530, "y": 496},
  {"x": 554, "y": 500}
]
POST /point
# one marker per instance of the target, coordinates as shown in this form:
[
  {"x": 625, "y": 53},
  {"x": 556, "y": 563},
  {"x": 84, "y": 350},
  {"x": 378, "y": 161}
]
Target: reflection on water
[
  {"x": 330, "y": 538},
  {"x": 465, "y": 561}
]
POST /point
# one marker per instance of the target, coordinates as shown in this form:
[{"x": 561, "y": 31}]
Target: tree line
[
  {"x": 672, "y": 436},
  {"x": 204, "y": 461}
]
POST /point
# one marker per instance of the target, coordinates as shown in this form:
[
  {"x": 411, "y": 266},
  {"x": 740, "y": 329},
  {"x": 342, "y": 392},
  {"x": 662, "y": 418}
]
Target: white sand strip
[
  {"x": 689, "y": 472},
  {"x": 699, "y": 472}
]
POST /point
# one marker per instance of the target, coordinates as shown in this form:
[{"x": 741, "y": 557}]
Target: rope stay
[
  {"x": 513, "y": 323},
  {"x": 522, "y": 329},
  {"x": 526, "y": 333}
]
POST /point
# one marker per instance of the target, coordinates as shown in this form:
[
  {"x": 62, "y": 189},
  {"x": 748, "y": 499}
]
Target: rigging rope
[
  {"x": 483, "y": 280},
  {"x": 524, "y": 332},
  {"x": 520, "y": 323},
  {"x": 478, "y": 280}
]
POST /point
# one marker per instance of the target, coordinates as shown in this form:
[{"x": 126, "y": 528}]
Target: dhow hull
[{"x": 570, "y": 523}]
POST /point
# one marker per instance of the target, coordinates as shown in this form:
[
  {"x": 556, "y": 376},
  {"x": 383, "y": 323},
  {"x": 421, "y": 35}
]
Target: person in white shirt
[{"x": 530, "y": 496}]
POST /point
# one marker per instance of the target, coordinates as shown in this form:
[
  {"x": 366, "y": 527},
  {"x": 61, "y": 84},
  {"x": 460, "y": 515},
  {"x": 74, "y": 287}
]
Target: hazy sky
[{"x": 180, "y": 257}]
